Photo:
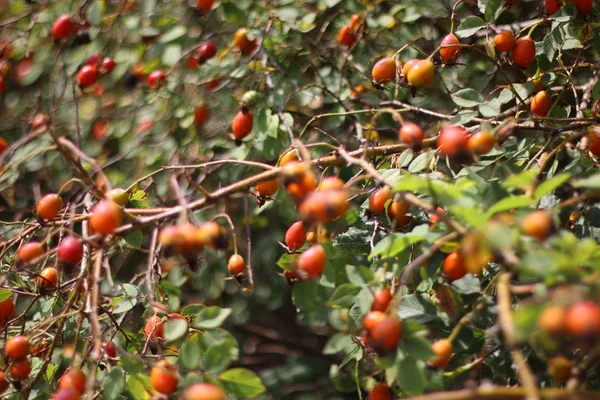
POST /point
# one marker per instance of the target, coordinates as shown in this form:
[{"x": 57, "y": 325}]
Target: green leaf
[
  {"x": 395, "y": 244},
  {"x": 467, "y": 98},
  {"x": 137, "y": 386},
  {"x": 211, "y": 317},
  {"x": 510, "y": 203},
  {"x": 94, "y": 13},
  {"x": 422, "y": 161},
  {"x": 469, "y": 26},
  {"x": 344, "y": 295},
  {"x": 171, "y": 55},
  {"x": 114, "y": 384},
  {"x": 131, "y": 364},
  {"x": 490, "y": 108},
  {"x": 50, "y": 371},
  {"x": 463, "y": 117},
  {"x": 411, "y": 376},
  {"x": 174, "y": 34},
  {"x": 417, "y": 308},
  {"x": 175, "y": 329},
  {"x": 550, "y": 185},
  {"x": 190, "y": 353},
  {"x": 242, "y": 383},
  {"x": 287, "y": 261},
  {"x": 5, "y": 294},
  {"x": 134, "y": 239},
  {"x": 493, "y": 9},
  {"x": 192, "y": 310},
  {"x": 218, "y": 356},
  {"x": 591, "y": 182},
  {"x": 417, "y": 346},
  {"x": 359, "y": 275}
]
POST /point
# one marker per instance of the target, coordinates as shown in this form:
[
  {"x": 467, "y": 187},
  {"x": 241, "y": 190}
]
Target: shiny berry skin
[
  {"x": 4, "y": 382},
  {"x": 267, "y": 188},
  {"x": 201, "y": 115},
  {"x": 295, "y": 236},
  {"x": 156, "y": 79},
  {"x": 538, "y": 224},
  {"x": 106, "y": 217},
  {"x": 109, "y": 349},
  {"x": 594, "y": 143},
  {"x": 87, "y": 76},
  {"x": 205, "y": 5},
  {"x": 481, "y": 142},
  {"x": 583, "y": 320},
  {"x": 378, "y": 199},
  {"x": 3, "y": 144},
  {"x": 70, "y": 250},
  {"x": 48, "y": 278},
  {"x": 203, "y": 391},
  {"x": 241, "y": 126},
  {"x": 381, "y": 300},
  {"x": 411, "y": 134},
  {"x": 65, "y": 394},
  {"x": 560, "y": 368},
  {"x": 49, "y": 206},
  {"x": 312, "y": 261},
  {"x": 504, "y": 41},
  {"x": 20, "y": 369},
  {"x": 450, "y": 54},
  {"x": 73, "y": 379},
  {"x": 208, "y": 50},
  {"x": 324, "y": 206},
  {"x": 552, "y": 320},
  {"x": 331, "y": 183},
  {"x": 288, "y": 157},
  {"x": 346, "y": 36},
  {"x": 107, "y": 66},
  {"x": 299, "y": 180},
  {"x": 95, "y": 59},
  {"x": 443, "y": 351},
  {"x": 213, "y": 235},
  {"x": 17, "y": 347},
  {"x": 408, "y": 66},
  {"x": 164, "y": 377},
  {"x": 584, "y": 6},
  {"x": 371, "y": 320},
  {"x": 40, "y": 120},
  {"x": 397, "y": 213},
  {"x": 421, "y": 74},
  {"x": 30, "y": 251},
  {"x": 236, "y": 265},
  {"x": 386, "y": 334},
  {"x": 553, "y": 6},
  {"x": 63, "y": 27},
  {"x": 7, "y": 310},
  {"x": 380, "y": 392},
  {"x": 384, "y": 70},
  {"x": 118, "y": 195},
  {"x": 154, "y": 329},
  {"x": 454, "y": 266},
  {"x": 2, "y": 84},
  {"x": 241, "y": 41},
  {"x": 453, "y": 141},
  {"x": 541, "y": 103},
  {"x": 523, "y": 54}
]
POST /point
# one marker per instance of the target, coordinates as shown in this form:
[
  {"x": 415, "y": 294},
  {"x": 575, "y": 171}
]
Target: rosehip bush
[{"x": 316, "y": 199}]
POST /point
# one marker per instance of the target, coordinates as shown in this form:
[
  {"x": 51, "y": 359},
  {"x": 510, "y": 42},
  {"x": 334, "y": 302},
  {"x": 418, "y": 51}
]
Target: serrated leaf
[
  {"x": 549, "y": 185},
  {"x": 469, "y": 26},
  {"x": 190, "y": 354},
  {"x": 492, "y": 10},
  {"x": 591, "y": 182},
  {"x": 134, "y": 239},
  {"x": 422, "y": 161},
  {"x": 5, "y": 294},
  {"x": 490, "y": 108},
  {"x": 417, "y": 308},
  {"x": 211, "y": 317},
  {"x": 467, "y": 98},
  {"x": 94, "y": 13},
  {"x": 173, "y": 34},
  {"x": 510, "y": 203},
  {"x": 218, "y": 357},
  {"x": 114, "y": 384},
  {"x": 395, "y": 244},
  {"x": 242, "y": 383},
  {"x": 344, "y": 295},
  {"x": 175, "y": 329}
]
